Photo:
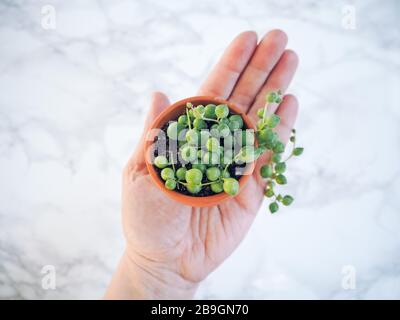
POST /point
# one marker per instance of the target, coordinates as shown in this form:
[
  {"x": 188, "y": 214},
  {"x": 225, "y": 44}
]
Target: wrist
[{"x": 136, "y": 279}]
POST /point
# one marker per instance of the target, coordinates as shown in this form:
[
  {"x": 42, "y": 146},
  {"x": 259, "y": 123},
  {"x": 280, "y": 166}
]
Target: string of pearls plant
[
  {"x": 273, "y": 171},
  {"x": 206, "y": 135}
]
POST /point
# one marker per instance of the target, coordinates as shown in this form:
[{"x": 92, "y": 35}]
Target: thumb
[{"x": 159, "y": 102}]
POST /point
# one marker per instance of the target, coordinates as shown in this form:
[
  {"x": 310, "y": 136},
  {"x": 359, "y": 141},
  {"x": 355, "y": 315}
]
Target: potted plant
[{"x": 201, "y": 151}]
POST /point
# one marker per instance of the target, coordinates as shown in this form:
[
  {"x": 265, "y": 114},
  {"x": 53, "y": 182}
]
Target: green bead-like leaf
[
  {"x": 209, "y": 111},
  {"x": 276, "y": 157},
  {"x": 193, "y": 176},
  {"x": 273, "y": 207},
  {"x": 199, "y": 124},
  {"x": 192, "y": 136},
  {"x": 199, "y": 111},
  {"x": 213, "y": 173},
  {"x": 266, "y": 171},
  {"x": 234, "y": 125},
  {"x": 181, "y": 173},
  {"x": 298, "y": 151},
  {"x": 183, "y": 120},
  {"x": 161, "y": 162},
  {"x": 265, "y": 136},
  {"x": 287, "y": 200},
  {"x": 231, "y": 186},
  {"x": 224, "y": 121},
  {"x": 236, "y": 118},
  {"x": 279, "y": 147},
  {"x": 280, "y": 167},
  {"x": 173, "y": 130},
  {"x": 272, "y": 121},
  {"x": 212, "y": 144},
  {"x": 269, "y": 192},
  {"x": 170, "y": 184},
  {"x": 280, "y": 179},
  {"x": 260, "y": 113},
  {"x": 217, "y": 187},
  {"x": 167, "y": 173},
  {"x": 222, "y": 111},
  {"x": 271, "y": 97}
]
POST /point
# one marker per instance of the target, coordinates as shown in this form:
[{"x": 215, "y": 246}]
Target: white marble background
[{"x": 72, "y": 103}]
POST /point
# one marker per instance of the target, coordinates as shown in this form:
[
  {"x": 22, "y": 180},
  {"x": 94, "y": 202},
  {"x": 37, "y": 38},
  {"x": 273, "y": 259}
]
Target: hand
[{"x": 172, "y": 247}]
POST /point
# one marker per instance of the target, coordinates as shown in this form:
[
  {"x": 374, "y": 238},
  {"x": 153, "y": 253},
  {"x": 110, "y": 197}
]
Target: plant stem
[
  {"x": 208, "y": 119},
  {"x": 188, "y": 118},
  {"x": 293, "y": 147},
  {"x": 202, "y": 184},
  {"x": 226, "y": 167},
  {"x": 273, "y": 192},
  {"x": 265, "y": 111},
  {"x": 207, "y": 183},
  {"x": 264, "y": 115}
]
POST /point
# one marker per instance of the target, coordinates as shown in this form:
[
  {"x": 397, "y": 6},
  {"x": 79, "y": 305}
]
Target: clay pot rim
[{"x": 160, "y": 121}]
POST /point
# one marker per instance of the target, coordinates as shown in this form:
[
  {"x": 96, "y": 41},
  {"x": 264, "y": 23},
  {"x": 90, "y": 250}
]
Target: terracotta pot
[{"x": 172, "y": 113}]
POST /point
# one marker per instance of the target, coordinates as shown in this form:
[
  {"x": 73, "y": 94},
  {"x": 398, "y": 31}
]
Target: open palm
[{"x": 183, "y": 244}]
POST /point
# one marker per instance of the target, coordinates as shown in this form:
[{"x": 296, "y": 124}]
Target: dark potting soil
[{"x": 205, "y": 190}]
